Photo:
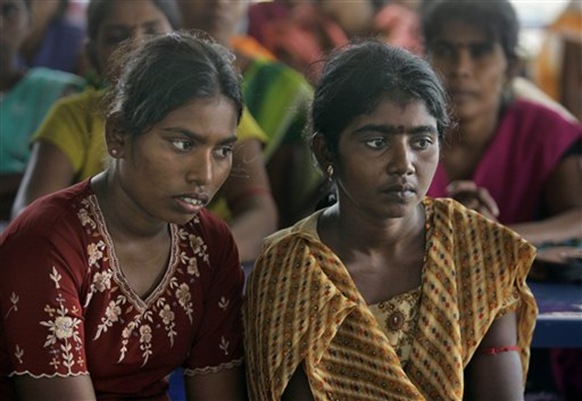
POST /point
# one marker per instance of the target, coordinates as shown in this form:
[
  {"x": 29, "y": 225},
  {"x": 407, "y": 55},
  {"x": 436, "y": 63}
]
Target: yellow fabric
[
  {"x": 303, "y": 308},
  {"x": 76, "y": 126},
  {"x": 397, "y": 318}
]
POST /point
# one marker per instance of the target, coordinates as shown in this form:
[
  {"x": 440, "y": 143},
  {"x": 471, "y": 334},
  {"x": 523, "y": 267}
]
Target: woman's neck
[
  {"x": 124, "y": 219},
  {"x": 369, "y": 236},
  {"x": 477, "y": 132}
]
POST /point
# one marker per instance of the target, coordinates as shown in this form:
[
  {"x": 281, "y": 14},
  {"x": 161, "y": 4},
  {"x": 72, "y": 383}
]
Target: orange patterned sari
[{"x": 302, "y": 308}]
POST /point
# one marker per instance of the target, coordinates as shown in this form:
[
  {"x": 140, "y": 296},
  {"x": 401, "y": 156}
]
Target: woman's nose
[
  {"x": 200, "y": 169},
  {"x": 462, "y": 62},
  {"x": 401, "y": 160}
]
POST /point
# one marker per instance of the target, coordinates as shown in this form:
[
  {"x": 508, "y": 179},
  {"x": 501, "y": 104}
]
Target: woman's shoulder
[
  {"x": 304, "y": 229},
  {"x": 83, "y": 107},
  {"x": 54, "y": 218},
  {"x": 451, "y": 218},
  {"x": 88, "y": 99},
  {"x": 44, "y": 77},
  {"x": 537, "y": 116},
  {"x": 536, "y": 129},
  {"x": 472, "y": 239}
]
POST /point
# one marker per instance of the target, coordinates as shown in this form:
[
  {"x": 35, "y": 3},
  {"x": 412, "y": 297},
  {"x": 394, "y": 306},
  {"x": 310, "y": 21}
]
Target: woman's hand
[{"x": 474, "y": 197}]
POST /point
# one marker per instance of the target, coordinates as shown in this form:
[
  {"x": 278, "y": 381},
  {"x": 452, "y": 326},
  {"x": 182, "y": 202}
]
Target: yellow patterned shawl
[{"x": 302, "y": 307}]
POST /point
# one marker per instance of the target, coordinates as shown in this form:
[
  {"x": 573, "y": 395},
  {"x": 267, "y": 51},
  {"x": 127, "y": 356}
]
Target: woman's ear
[
  {"x": 514, "y": 68},
  {"x": 115, "y": 138},
  {"x": 321, "y": 151}
]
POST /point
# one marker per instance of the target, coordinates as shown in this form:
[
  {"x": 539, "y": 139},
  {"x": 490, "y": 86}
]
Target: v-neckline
[{"x": 124, "y": 285}]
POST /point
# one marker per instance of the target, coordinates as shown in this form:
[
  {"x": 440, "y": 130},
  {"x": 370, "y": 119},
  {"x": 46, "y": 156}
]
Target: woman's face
[
  {"x": 171, "y": 171},
  {"x": 474, "y": 68},
  {"x": 218, "y": 18},
  {"x": 133, "y": 19},
  {"x": 387, "y": 159},
  {"x": 14, "y": 26},
  {"x": 354, "y": 16}
]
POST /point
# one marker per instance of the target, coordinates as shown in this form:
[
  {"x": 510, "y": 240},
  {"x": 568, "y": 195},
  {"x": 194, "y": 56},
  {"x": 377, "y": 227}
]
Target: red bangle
[{"x": 497, "y": 350}]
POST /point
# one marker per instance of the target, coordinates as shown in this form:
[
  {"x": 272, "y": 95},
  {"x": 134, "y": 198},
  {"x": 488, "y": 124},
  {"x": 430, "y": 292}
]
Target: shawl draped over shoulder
[{"x": 303, "y": 309}]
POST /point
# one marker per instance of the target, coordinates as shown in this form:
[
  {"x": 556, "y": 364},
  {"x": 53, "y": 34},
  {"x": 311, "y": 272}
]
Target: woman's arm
[
  {"x": 74, "y": 388},
  {"x": 48, "y": 170},
  {"x": 493, "y": 375},
  {"x": 254, "y": 214},
  {"x": 563, "y": 200},
  {"x": 227, "y": 385}
]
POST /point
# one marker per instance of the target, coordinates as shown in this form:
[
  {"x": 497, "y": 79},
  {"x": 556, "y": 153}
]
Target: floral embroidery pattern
[
  {"x": 63, "y": 332},
  {"x": 84, "y": 218},
  {"x": 19, "y": 353},
  {"x": 14, "y": 301},
  {"x": 167, "y": 315},
  {"x": 184, "y": 298},
  {"x": 95, "y": 252},
  {"x": 102, "y": 280},
  {"x": 223, "y": 303},
  {"x": 140, "y": 320},
  {"x": 112, "y": 313},
  {"x": 56, "y": 277},
  {"x": 224, "y": 344},
  {"x": 145, "y": 339}
]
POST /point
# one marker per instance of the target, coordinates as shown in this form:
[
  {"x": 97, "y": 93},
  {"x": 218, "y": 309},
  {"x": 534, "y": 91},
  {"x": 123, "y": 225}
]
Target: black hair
[
  {"x": 358, "y": 77},
  {"x": 165, "y": 73},
  {"x": 99, "y": 10},
  {"x": 496, "y": 18}
]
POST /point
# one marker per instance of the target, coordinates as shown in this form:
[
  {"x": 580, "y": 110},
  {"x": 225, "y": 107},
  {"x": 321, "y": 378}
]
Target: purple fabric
[
  {"x": 264, "y": 13},
  {"x": 60, "y": 49},
  {"x": 528, "y": 146}
]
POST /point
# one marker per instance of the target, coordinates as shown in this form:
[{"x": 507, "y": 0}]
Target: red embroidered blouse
[{"x": 67, "y": 309}]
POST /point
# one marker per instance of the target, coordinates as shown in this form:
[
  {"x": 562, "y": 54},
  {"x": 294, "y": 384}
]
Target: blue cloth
[
  {"x": 61, "y": 46},
  {"x": 22, "y": 110}
]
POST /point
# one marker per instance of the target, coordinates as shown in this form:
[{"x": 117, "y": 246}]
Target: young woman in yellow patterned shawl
[{"x": 387, "y": 294}]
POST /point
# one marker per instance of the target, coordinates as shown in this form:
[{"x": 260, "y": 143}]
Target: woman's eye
[
  {"x": 442, "y": 50},
  {"x": 479, "y": 50},
  {"x": 376, "y": 143},
  {"x": 224, "y": 151},
  {"x": 115, "y": 39},
  {"x": 422, "y": 143},
  {"x": 182, "y": 145}
]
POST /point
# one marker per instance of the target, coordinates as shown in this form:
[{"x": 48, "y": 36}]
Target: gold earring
[{"x": 329, "y": 171}]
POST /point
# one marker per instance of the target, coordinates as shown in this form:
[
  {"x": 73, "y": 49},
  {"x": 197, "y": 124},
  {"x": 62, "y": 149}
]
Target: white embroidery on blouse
[
  {"x": 145, "y": 339},
  {"x": 223, "y": 303},
  {"x": 95, "y": 253},
  {"x": 168, "y": 316},
  {"x": 56, "y": 277},
  {"x": 123, "y": 303},
  {"x": 14, "y": 300},
  {"x": 19, "y": 353},
  {"x": 63, "y": 335},
  {"x": 184, "y": 299},
  {"x": 224, "y": 344}
]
